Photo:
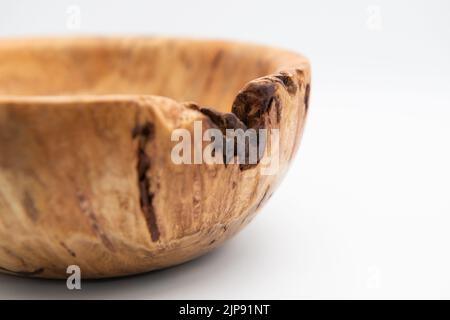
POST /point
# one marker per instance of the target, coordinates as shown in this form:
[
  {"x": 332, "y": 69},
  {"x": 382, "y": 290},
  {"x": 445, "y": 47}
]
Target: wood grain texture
[{"x": 86, "y": 176}]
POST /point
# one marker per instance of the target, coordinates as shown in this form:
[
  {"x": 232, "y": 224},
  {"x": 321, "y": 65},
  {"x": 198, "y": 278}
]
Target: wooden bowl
[{"x": 86, "y": 174}]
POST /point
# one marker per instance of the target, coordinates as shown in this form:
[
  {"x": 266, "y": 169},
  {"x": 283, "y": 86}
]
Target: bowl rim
[{"x": 288, "y": 61}]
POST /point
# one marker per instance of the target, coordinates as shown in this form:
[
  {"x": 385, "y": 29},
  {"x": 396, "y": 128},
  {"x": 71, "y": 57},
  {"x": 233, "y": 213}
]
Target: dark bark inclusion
[
  {"x": 307, "y": 90},
  {"x": 145, "y": 133},
  {"x": 288, "y": 82},
  {"x": 250, "y": 109}
]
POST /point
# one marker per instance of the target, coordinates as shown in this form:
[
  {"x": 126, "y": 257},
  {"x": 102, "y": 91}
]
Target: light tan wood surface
[{"x": 86, "y": 175}]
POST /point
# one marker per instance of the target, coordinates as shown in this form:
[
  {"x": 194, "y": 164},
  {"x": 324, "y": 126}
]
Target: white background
[{"x": 365, "y": 210}]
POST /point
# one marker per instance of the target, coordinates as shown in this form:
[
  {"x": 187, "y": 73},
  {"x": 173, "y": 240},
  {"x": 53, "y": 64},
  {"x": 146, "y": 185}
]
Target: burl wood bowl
[{"x": 86, "y": 175}]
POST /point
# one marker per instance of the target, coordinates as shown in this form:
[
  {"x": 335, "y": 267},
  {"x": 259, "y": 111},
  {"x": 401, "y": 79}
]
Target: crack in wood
[{"x": 145, "y": 133}]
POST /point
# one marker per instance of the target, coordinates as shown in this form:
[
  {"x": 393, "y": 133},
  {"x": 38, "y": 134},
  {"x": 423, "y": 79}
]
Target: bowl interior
[{"x": 208, "y": 72}]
